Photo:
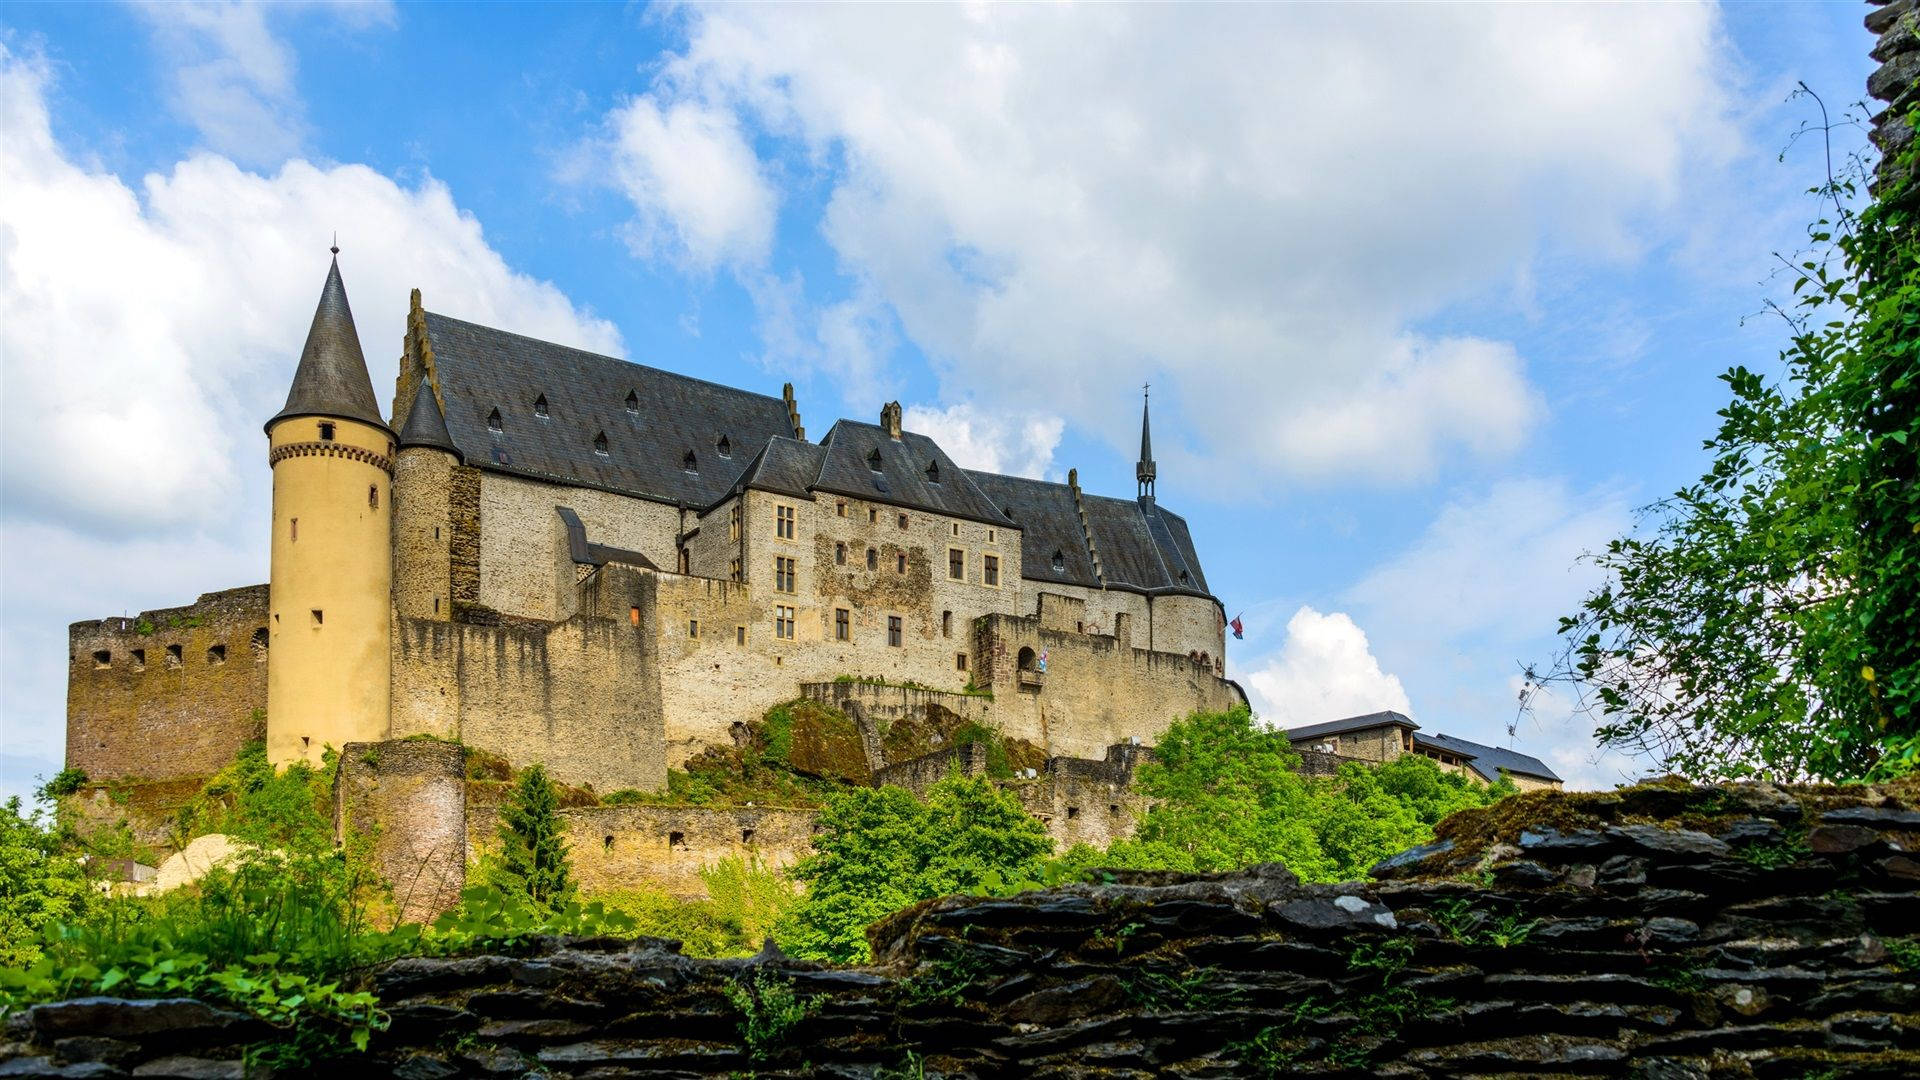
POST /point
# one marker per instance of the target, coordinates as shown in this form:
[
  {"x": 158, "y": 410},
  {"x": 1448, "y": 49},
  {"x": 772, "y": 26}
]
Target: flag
[{"x": 1239, "y": 630}]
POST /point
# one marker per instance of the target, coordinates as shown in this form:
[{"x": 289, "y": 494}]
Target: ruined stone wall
[
  {"x": 169, "y": 693},
  {"x": 1896, "y": 82},
  {"x": 1084, "y": 802},
  {"x": 407, "y": 799},
  {"x": 1662, "y": 932},
  {"x": 519, "y": 546},
  {"x": 664, "y": 848}
]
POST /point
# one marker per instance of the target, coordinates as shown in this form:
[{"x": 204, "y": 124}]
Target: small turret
[
  {"x": 426, "y": 426},
  {"x": 1143, "y": 471}
]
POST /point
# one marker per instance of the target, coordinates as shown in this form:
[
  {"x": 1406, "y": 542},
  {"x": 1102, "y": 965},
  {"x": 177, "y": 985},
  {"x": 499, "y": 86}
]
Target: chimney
[{"x": 890, "y": 419}]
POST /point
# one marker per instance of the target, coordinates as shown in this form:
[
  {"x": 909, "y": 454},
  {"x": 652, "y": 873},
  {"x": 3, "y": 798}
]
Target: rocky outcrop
[
  {"x": 1665, "y": 931},
  {"x": 1896, "y": 83}
]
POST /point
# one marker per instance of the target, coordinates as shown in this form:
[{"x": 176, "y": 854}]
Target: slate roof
[
  {"x": 481, "y": 369},
  {"x": 1351, "y": 723},
  {"x": 1488, "y": 760},
  {"x": 1048, "y": 523},
  {"x": 425, "y": 426},
  {"x": 785, "y": 467},
  {"x": 331, "y": 379},
  {"x": 902, "y": 479},
  {"x": 1485, "y": 760}
]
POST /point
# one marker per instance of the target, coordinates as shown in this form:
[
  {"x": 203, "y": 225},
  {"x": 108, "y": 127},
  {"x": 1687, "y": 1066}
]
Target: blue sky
[{"x": 1430, "y": 298}]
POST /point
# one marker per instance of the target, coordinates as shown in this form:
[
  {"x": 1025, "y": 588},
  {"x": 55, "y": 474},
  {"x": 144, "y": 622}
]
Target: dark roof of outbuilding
[
  {"x": 1488, "y": 761},
  {"x": 1351, "y": 723},
  {"x": 1048, "y": 523},
  {"x": 425, "y": 426},
  {"x": 903, "y": 478},
  {"x": 482, "y": 369},
  {"x": 332, "y": 379}
]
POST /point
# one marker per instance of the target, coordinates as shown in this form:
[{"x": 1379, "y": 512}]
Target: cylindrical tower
[
  {"x": 329, "y": 665},
  {"x": 422, "y": 508}
]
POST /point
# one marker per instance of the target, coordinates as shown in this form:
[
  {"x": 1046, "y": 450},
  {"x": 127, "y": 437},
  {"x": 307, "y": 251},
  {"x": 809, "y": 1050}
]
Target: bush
[
  {"x": 532, "y": 860},
  {"x": 39, "y": 885},
  {"x": 65, "y": 782}
]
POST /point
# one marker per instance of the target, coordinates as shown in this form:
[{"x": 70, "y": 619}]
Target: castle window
[
  {"x": 139, "y": 659},
  {"x": 217, "y": 655},
  {"x": 956, "y": 564},
  {"x": 606, "y": 842},
  {"x": 873, "y": 515},
  {"x": 436, "y": 605},
  {"x": 733, "y": 569},
  {"x": 933, "y": 472},
  {"x": 746, "y": 836},
  {"x": 739, "y": 635},
  {"x": 903, "y": 521},
  {"x": 840, "y": 508},
  {"x": 900, "y": 563},
  {"x": 842, "y": 624},
  {"x": 733, "y": 522},
  {"x": 783, "y": 622},
  {"x": 318, "y": 618},
  {"x": 893, "y": 630},
  {"x": 873, "y": 558},
  {"x": 103, "y": 658},
  {"x": 989, "y": 536},
  {"x": 686, "y": 561},
  {"x": 946, "y": 624},
  {"x": 840, "y": 554},
  {"x": 1072, "y": 812},
  {"x": 293, "y": 528},
  {"x": 783, "y": 522},
  {"x": 1025, "y": 660},
  {"x": 873, "y": 459},
  {"x": 956, "y": 528},
  {"x": 373, "y": 496},
  {"x": 540, "y": 406},
  {"x": 690, "y": 463},
  {"x": 600, "y": 444},
  {"x": 784, "y": 577},
  {"x": 326, "y": 432},
  {"x": 436, "y": 532},
  {"x": 959, "y": 661},
  {"x": 676, "y": 839},
  {"x": 1113, "y": 809},
  {"x": 1183, "y": 577},
  {"x": 173, "y": 656},
  {"x": 693, "y": 628},
  {"x": 633, "y": 616},
  {"x": 493, "y": 422},
  {"x": 990, "y": 570},
  {"x": 725, "y": 447},
  {"x": 1059, "y": 561},
  {"x": 633, "y": 402}
]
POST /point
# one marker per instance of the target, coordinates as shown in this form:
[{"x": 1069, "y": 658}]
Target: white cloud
[
  {"x": 1259, "y": 205},
  {"x": 697, "y": 184},
  {"x": 1019, "y": 444},
  {"x": 1324, "y": 670},
  {"x": 146, "y": 334},
  {"x": 233, "y": 79}
]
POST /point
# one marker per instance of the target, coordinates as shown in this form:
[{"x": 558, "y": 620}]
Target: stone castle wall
[
  {"x": 169, "y": 693},
  {"x": 408, "y": 799}
]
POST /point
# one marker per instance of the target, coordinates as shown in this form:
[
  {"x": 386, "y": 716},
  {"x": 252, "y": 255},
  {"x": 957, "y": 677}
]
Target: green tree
[
  {"x": 533, "y": 848},
  {"x": 1765, "y": 620},
  {"x": 38, "y": 884},
  {"x": 878, "y": 850}
]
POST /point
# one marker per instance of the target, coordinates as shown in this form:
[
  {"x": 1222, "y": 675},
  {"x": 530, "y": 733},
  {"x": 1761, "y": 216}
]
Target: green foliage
[
  {"x": 745, "y": 901},
  {"x": 39, "y": 886},
  {"x": 1465, "y": 922},
  {"x": 289, "y": 809},
  {"x": 65, "y": 782},
  {"x": 973, "y": 732},
  {"x": 1227, "y": 794},
  {"x": 532, "y": 861},
  {"x": 1765, "y": 621},
  {"x": 1904, "y": 953},
  {"x": 879, "y": 849},
  {"x": 769, "y": 1011}
]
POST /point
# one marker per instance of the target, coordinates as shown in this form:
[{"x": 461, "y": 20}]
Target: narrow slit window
[
  {"x": 873, "y": 558},
  {"x": 693, "y": 628},
  {"x": 840, "y": 554},
  {"x": 633, "y": 616},
  {"x": 959, "y": 661},
  {"x": 293, "y": 528},
  {"x": 946, "y": 624},
  {"x": 739, "y": 635},
  {"x": 373, "y": 496},
  {"x": 900, "y": 563},
  {"x": 903, "y": 521}
]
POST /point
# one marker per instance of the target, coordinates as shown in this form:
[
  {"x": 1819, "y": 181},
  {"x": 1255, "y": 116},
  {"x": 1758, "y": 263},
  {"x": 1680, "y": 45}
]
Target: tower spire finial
[
  {"x": 1144, "y": 470},
  {"x": 336, "y": 242}
]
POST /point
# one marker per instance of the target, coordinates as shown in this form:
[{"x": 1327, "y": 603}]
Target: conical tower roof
[
  {"x": 1144, "y": 469},
  {"x": 332, "y": 377},
  {"x": 424, "y": 425}
]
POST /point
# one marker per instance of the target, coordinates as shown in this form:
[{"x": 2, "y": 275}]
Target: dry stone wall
[{"x": 1663, "y": 933}]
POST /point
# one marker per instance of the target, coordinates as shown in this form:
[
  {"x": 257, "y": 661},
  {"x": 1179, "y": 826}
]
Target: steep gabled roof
[
  {"x": 902, "y": 478},
  {"x": 331, "y": 379},
  {"x": 785, "y": 467},
  {"x": 1049, "y": 522},
  {"x": 1488, "y": 761},
  {"x": 1351, "y": 723},
  {"x": 586, "y": 397}
]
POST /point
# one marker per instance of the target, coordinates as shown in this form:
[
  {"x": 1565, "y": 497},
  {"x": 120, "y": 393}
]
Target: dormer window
[
  {"x": 690, "y": 463},
  {"x": 725, "y": 446},
  {"x": 1183, "y": 577},
  {"x": 873, "y": 460},
  {"x": 493, "y": 421},
  {"x": 540, "y": 406},
  {"x": 600, "y": 444},
  {"x": 633, "y": 402},
  {"x": 1059, "y": 561},
  {"x": 933, "y": 472}
]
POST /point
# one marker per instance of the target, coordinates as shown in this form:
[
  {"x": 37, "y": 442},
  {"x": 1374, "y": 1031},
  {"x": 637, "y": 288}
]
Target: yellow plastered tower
[{"x": 329, "y": 663}]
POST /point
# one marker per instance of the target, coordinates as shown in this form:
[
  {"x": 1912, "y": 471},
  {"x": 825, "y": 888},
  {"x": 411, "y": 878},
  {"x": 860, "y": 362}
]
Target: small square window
[
  {"x": 173, "y": 656},
  {"x": 139, "y": 659},
  {"x": 103, "y": 658},
  {"x": 840, "y": 508},
  {"x": 676, "y": 839},
  {"x": 894, "y": 633},
  {"x": 1072, "y": 812},
  {"x": 217, "y": 655},
  {"x": 746, "y": 836},
  {"x": 326, "y": 432}
]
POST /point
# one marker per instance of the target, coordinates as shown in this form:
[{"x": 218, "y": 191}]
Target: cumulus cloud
[
  {"x": 232, "y": 78},
  {"x": 1259, "y": 205},
  {"x": 145, "y": 335},
  {"x": 1325, "y": 670},
  {"x": 1019, "y": 444},
  {"x": 696, "y": 182}
]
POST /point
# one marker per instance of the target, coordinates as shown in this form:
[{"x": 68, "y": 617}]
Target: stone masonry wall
[
  {"x": 169, "y": 693},
  {"x": 408, "y": 798},
  {"x": 1663, "y": 932}
]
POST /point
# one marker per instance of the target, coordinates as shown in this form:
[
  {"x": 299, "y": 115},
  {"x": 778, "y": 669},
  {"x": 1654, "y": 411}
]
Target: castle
[{"x": 563, "y": 557}]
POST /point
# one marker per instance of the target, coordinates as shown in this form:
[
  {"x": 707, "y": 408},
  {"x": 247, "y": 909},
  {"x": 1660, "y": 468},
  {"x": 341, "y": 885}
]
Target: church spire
[
  {"x": 1144, "y": 470},
  {"x": 332, "y": 377}
]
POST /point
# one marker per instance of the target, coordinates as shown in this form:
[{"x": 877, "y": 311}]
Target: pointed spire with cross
[{"x": 1144, "y": 470}]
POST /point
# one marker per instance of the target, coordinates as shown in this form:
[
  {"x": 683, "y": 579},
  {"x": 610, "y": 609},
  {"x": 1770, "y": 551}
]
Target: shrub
[{"x": 38, "y": 884}]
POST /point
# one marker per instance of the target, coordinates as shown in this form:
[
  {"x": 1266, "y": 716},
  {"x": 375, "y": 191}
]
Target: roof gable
[{"x": 913, "y": 472}]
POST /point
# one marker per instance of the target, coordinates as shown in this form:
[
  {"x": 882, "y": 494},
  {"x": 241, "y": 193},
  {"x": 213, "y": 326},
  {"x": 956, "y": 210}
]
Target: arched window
[
  {"x": 493, "y": 421},
  {"x": 600, "y": 444},
  {"x": 540, "y": 406},
  {"x": 1025, "y": 660}
]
